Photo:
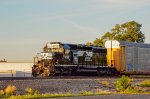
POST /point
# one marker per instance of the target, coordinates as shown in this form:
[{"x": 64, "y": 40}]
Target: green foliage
[
  {"x": 123, "y": 84},
  {"x": 1, "y": 93},
  {"x": 98, "y": 42},
  {"x": 89, "y": 43},
  {"x": 145, "y": 83},
  {"x": 131, "y": 90},
  {"x": 129, "y": 31}
]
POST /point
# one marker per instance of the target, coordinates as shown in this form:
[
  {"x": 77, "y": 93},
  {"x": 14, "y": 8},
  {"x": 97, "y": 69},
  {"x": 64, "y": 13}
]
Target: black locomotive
[{"x": 60, "y": 58}]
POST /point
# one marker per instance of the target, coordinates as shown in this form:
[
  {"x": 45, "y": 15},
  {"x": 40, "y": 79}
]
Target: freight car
[
  {"x": 61, "y": 58},
  {"x": 128, "y": 57}
]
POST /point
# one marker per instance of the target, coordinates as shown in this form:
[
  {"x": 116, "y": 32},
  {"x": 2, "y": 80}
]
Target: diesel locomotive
[{"x": 62, "y": 58}]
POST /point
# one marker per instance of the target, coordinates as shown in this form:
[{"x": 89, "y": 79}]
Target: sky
[{"x": 27, "y": 25}]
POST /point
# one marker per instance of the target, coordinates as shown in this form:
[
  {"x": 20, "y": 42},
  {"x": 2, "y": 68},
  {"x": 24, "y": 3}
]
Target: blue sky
[{"x": 27, "y": 25}]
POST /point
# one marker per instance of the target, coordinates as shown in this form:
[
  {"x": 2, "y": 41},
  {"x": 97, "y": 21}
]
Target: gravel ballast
[{"x": 61, "y": 85}]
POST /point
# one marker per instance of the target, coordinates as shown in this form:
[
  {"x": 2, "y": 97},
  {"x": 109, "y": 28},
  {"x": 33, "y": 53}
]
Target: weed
[
  {"x": 105, "y": 83},
  {"x": 31, "y": 91},
  {"x": 10, "y": 90},
  {"x": 1, "y": 93},
  {"x": 145, "y": 83},
  {"x": 123, "y": 83}
]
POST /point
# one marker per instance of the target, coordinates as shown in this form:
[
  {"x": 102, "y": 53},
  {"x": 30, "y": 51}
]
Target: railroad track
[{"x": 72, "y": 77}]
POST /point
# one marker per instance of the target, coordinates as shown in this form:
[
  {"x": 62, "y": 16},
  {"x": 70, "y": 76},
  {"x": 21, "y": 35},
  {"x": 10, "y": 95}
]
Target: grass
[
  {"x": 105, "y": 83},
  {"x": 35, "y": 96},
  {"x": 145, "y": 83},
  {"x": 133, "y": 92},
  {"x": 103, "y": 93},
  {"x": 85, "y": 93}
]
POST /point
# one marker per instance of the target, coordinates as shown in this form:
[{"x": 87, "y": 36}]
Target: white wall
[{"x": 16, "y": 69}]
